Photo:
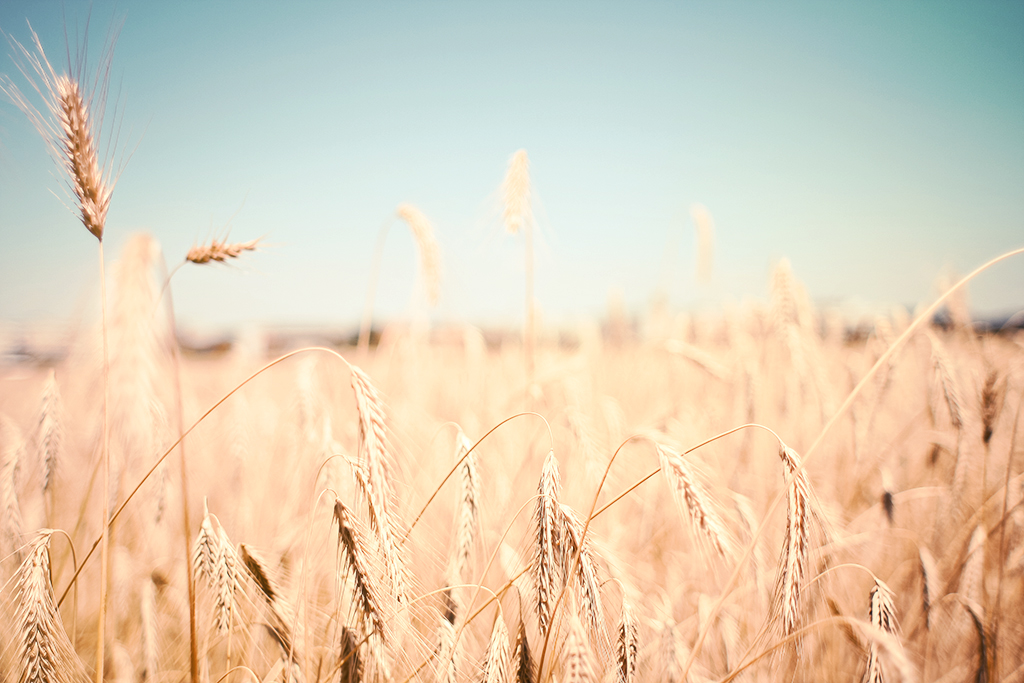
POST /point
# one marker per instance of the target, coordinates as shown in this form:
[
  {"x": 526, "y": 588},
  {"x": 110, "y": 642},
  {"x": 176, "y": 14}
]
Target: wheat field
[{"x": 766, "y": 494}]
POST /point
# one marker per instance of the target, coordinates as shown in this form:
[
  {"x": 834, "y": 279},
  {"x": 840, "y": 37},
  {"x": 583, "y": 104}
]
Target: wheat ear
[
  {"x": 796, "y": 546},
  {"x": 589, "y": 585},
  {"x": 348, "y": 655},
  {"x": 44, "y": 653},
  {"x": 204, "y": 551},
  {"x": 10, "y": 456},
  {"x": 577, "y": 661},
  {"x": 690, "y": 495},
  {"x": 219, "y": 250},
  {"x": 945, "y": 384},
  {"x": 51, "y": 433},
  {"x": 468, "y": 518},
  {"x": 496, "y": 658},
  {"x": 279, "y": 624},
  {"x": 547, "y": 542},
  {"x": 930, "y": 584},
  {"x": 626, "y": 650},
  {"x": 522, "y": 661},
  {"x": 374, "y": 459},
  {"x": 352, "y": 551},
  {"x": 882, "y": 613}
]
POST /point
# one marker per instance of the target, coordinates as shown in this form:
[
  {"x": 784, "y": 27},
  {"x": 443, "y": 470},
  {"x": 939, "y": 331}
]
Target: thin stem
[
  {"x": 186, "y": 525},
  {"x": 363, "y": 345},
  {"x": 105, "y": 457},
  {"x": 465, "y": 455},
  {"x": 528, "y": 329},
  {"x": 1002, "y": 547},
  {"x": 174, "y": 445}
]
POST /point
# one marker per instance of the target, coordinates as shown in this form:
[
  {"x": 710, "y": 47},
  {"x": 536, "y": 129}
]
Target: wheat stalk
[
  {"x": 446, "y": 651},
  {"x": 426, "y": 245},
  {"x": 517, "y": 215}
]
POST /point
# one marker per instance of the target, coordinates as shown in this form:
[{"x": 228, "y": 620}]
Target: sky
[{"x": 878, "y": 146}]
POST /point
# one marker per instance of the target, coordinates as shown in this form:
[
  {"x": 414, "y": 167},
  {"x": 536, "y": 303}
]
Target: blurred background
[{"x": 877, "y": 146}]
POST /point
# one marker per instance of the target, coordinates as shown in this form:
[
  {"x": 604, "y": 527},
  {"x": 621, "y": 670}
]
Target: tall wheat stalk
[
  {"x": 429, "y": 264},
  {"x": 518, "y": 215},
  {"x": 68, "y": 127}
]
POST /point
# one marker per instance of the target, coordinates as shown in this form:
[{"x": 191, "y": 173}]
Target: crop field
[
  {"x": 417, "y": 511},
  {"x": 768, "y": 493}
]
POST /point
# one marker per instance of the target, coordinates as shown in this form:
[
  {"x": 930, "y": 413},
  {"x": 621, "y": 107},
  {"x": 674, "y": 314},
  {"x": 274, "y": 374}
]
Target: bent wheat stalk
[{"x": 429, "y": 265}]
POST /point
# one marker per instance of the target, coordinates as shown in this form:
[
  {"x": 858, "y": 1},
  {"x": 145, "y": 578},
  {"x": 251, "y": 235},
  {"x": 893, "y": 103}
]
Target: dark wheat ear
[
  {"x": 522, "y": 660},
  {"x": 627, "y": 645}
]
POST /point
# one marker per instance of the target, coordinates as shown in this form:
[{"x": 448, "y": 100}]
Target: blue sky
[{"x": 875, "y": 145}]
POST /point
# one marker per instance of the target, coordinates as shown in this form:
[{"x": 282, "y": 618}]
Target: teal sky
[{"x": 874, "y": 144}]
